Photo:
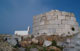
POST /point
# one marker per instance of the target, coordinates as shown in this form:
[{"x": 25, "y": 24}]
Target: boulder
[
  {"x": 53, "y": 48},
  {"x": 12, "y": 41},
  {"x": 4, "y": 46},
  {"x": 34, "y": 49},
  {"x": 25, "y": 43},
  {"x": 21, "y": 49},
  {"x": 47, "y": 43},
  {"x": 40, "y": 42},
  {"x": 35, "y": 41},
  {"x": 50, "y": 38}
]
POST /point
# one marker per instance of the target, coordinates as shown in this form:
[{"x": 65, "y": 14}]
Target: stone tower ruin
[{"x": 55, "y": 22}]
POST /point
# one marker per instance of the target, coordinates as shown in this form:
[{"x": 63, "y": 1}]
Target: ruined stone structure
[{"x": 55, "y": 22}]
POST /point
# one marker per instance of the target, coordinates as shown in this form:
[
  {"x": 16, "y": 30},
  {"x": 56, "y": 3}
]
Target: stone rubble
[
  {"x": 47, "y": 43},
  {"x": 54, "y": 48},
  {"x": 4, "y": 46},
  {"x": 35, "y": 41},
  {"x": 73, "y": 43},
  {"x": 34, "y": 49}
]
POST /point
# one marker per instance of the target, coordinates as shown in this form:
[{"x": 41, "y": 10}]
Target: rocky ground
[
  {"x": 4, "y": 46},
  {"x": 42, "y": 43}
]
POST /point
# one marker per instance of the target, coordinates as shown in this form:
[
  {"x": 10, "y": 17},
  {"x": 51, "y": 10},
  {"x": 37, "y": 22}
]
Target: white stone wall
[{"x": 55, "y": 22}]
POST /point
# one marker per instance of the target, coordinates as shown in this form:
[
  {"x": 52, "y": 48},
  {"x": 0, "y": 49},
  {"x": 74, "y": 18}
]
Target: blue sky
[{"x": 18, "y": 14}]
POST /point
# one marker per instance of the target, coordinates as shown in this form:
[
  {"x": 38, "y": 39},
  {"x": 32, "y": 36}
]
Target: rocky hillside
[{"x": 4, "y": 46}]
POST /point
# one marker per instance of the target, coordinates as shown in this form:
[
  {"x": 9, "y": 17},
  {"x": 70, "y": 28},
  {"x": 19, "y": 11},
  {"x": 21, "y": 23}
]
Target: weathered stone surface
[
  {"x": 54, "y": 48},
  {"x": 50, "y": 22},
  {"x": 12, "y": 41},
  {"x": 21, "y": 49},
  {"x": 25, "y": 43},
  {"x": 35, "y": 41},
  {"x": 4, "y": 46},
  {"x": 47, "y": 43},
  {"x": 34, "y": 49},
  {"x": 61, "y": 17},
  {"x": 73, "y": 43}
]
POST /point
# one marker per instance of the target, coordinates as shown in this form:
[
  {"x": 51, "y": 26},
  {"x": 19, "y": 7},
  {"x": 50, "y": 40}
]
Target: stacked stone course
[{"x": 55, "y": 22}]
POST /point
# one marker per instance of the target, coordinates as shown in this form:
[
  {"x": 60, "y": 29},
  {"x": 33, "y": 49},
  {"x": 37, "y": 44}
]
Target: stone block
[
  {"x": 65, "y": 13},
  {"x": 68, "y": 18},
  {"x": 69, "y": 22},
  {"x": 43, "y": 31},
  {"x": 42, "y": 23},
  {"x": 52, "y": 13},
  {"x": 67, "y": 26},
  {"x": 12, "y": 41},
  {"x": 61, "y": 26},
  {"x": 55, "y": 17},
  {"x": 53, "y": 47},
  {"x": 35, "y": 24},
  {"x": 35, "y": 41},
  {"x": 24, "y": 43},
  {"x": 52, "y": 30},
  {"x": 51, "y": 26},
  {"x": 34, "y": 49},
  {"x": 47, "y": 43},
  {"x": 61, "y": 17},
  {"x": 58, "y": 13},
  {"x": 42, "y": 27},
  {"x": 51, "y": 17},
  {"x": 55, "y": 22},
  {"x": 55, "y": 26},
  {"x": 37, "y": 28},
  {"x": 59, "y": 31}
]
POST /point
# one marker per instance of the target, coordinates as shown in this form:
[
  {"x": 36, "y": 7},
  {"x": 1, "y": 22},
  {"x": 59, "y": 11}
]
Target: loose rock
[{"x": 47, "y": 43}]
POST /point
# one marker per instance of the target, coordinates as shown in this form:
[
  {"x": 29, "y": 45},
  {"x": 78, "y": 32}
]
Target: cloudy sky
[{"x": 18, "y": 14}]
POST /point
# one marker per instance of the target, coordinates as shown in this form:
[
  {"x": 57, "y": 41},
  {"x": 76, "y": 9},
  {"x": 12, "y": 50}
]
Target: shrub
[
  {"x": 60, "y": 47},
  {"x": 15, "y": 46},
  {"x": 52, "y": 50},
  {"x": 44, "y": 49},
  {"x": 54, "y": 43},
  {"x": 28, "y": 47}
]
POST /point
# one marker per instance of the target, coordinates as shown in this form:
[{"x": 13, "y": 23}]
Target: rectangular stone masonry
[
  {"x": 70, "y": 22},
  {"x": 52, "y": 17},
  {"x": 61, "y": 17},
  {"x": 51, "y": 26},
  {"x": 55, "y": 22},
  {"x": 68, "y": 18},
  {"x": 61, "y": 26},
  {"x": 65, "y": 13},
  {"x": 59, "y": 31}
]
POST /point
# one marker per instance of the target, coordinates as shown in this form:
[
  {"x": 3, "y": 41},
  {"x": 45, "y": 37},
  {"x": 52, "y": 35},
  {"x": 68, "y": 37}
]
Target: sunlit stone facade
[{"x": 55, "y": 22}]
